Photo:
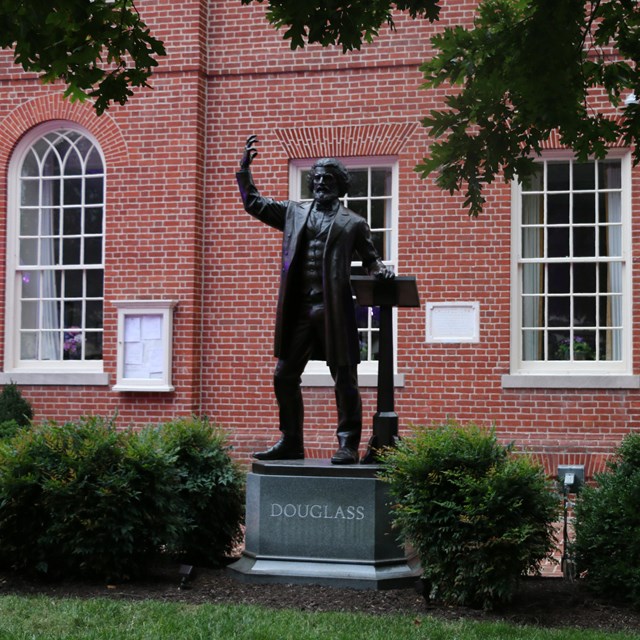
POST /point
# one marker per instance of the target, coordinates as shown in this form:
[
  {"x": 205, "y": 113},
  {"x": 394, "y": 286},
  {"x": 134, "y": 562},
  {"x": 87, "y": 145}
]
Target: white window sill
[
  {"x": 87, "y": 379},
  {"x": 159, "y": 388},
  {"x": 364, "y": 380},
  {"x": 567, "y": 381}
]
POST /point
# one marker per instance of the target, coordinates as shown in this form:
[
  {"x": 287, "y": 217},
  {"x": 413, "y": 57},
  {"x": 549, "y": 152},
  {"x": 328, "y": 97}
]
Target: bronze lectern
[{"x": 386, "y": 294}]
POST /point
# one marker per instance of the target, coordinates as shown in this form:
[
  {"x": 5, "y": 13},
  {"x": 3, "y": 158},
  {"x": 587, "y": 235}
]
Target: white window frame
[
  {"x": 145, "y": 310},
  {"x": 66, "y": 372},
  {"x": 316, "y": 373},
  {"x": 560, "y": 373}
]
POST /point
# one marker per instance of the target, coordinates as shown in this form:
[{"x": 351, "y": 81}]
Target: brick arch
[
  {"x": 346, "y": 140},
  {"x": 55, "y": 107}
]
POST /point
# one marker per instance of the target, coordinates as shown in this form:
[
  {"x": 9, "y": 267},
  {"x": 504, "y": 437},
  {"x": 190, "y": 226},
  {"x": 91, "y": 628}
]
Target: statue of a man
[{"x": 316, "y": 311}]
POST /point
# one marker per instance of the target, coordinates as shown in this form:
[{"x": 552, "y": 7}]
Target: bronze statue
[{"x": 316, "y": 312}]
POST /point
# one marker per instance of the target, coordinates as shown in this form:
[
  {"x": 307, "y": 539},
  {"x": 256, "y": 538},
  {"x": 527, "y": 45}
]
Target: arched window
[{"x": 56, "y": 252}]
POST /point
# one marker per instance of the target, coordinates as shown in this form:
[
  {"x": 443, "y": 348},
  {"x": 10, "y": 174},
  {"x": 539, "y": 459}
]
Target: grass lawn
[{"x": 45, "y": 618}]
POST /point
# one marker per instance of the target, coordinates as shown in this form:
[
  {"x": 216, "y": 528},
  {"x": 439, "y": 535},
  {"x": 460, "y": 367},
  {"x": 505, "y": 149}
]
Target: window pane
[
  {"x": 584, "y": 310},
  {"x": 610, "y": 207},
  {"x": 28, "y": 252},
  {"x": 532, "y": 278},
  {"x": 532, "y": 345},
  {"x": 93, "y": 345},
  {"x": 584, "y": 241},
  {"x": 73, "y": 284},
  {"x": 50, "y": 345},
  {"x": 610, "y": 345},
  {"x": 558, "y": 176},
  {"x": 381, "y": 182},
  {"x": 611, "y": 277},
  {"x": 532, "y": 242},
  {"x": 584, "y": 278},
  {"x": 380, "y": 214},
  {"x": 558, "y": 239},
  {"x": 72, "y": 346},
  {"x": 94, "y": 162},
  {"x": 30, "y": 193},
  {"x": 30, "y": 284},
  {"x": 359, "y": 207},
  {"x": 359, "y": 182},
  {"x": 30, "y": 315},
  {"x": 72, "y": 191},
  {"x": 559, "y": 278},
  {"x": 29, "y": 222},
  {"x": 559, "y": 311},
  {"x": 71, "y": 251},
  {"x": 93, "y": 191},
  {"x": 532, "y": 311},
  {"x": 611, "y": 311},
  {"x": 73, "y": 314},
  {"x": 93, "y": 251},
  {"x": 611, "y": 241},
  {"x": 95, "y": 283},
  {"x": 93, "y": 220},
  {"x": 49, "y": 251},
  {"x": 584, "y": 208},
  {"x": 29, "y": 346},
  {"x": 51, "y": 164},
  {"x": 558, "y": 208},
  {"x": 584, "y": 176},
  {"x": 532, "y": 209},
  {"x": 609, "y": 174},
  {"x": 305, "y": 192},
  {"x": 94, "y": 314},
  {"x": 72, "y": 225},
  {"x": 73, "y": 164},
  {"x": 30, "y": 166}
]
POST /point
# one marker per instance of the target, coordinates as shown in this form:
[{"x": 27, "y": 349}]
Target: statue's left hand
[{"x": 250, "y": 152}]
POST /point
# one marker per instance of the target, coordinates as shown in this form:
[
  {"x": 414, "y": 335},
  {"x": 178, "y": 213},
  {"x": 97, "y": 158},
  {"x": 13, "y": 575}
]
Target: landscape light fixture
[{"x": 186, "y": 573}]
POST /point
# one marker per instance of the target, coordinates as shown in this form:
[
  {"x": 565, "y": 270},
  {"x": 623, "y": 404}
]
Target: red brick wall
[{"x": 176, "y": 228}]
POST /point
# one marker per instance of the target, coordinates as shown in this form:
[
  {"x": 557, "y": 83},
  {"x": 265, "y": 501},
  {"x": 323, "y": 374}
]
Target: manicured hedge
[
  {"x": 478, "y": 514},
  {"x": 607, "y": 526},
  {"x": 87, "y": 498}
]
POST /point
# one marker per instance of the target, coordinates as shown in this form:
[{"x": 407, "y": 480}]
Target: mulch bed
[{"x": 543, "y": 602}]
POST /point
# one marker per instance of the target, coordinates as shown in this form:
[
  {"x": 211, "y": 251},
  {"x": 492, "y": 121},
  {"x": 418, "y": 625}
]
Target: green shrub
[
  {"x": 8, "y": 429},
  {"x": 211, "y": 489},
  {"x": 478, "y": 515},
  {"x": 83, "y": 498},
  {"x": 607, "y": 526},
  {"x": 13, "y": 407}
]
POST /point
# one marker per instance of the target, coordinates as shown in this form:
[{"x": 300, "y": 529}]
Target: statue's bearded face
[{"x": 325, "y": 186}]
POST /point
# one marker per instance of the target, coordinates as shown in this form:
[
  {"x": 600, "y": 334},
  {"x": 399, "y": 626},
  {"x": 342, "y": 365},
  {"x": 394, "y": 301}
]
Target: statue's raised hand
[{"x": 250, "y": 152}]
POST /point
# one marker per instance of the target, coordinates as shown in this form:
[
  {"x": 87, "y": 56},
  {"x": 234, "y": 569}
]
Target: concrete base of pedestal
[{"x": 313, "y": 522}]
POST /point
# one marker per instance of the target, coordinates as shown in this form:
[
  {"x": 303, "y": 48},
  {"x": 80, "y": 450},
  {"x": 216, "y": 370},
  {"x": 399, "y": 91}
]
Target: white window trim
[
  {"x": 316, "y": 373},
  {"x": 69, "y": 372},
  {"x": 584, "y": 374},
  {"x": 163, "y": 308}
]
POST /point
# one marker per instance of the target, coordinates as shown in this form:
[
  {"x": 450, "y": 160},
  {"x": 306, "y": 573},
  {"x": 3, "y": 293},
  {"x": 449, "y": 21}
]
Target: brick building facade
[{"x": 144, "y": 250}]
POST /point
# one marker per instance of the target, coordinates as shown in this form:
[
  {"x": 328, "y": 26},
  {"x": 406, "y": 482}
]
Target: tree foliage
[
  {"x": 523, "y": 69},
  {"x": 100, "y": 49},
  {"x": 331, "y": 22}
]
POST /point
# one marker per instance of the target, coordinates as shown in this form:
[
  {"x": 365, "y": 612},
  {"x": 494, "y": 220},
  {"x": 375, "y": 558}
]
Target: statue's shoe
[
  {"x": 284, "y": 449},
  {"x": 345, "y": 455}
]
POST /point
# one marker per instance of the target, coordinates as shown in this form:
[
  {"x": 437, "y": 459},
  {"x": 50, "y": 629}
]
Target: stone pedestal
[{"x": 313, "y": 522}]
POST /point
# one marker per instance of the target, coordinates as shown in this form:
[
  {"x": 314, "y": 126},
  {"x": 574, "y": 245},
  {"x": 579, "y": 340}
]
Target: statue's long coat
[{"x": 349, "y": 235}]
